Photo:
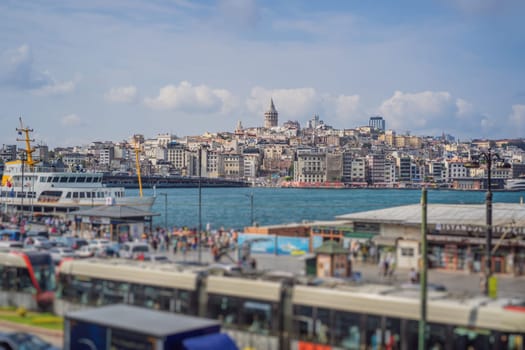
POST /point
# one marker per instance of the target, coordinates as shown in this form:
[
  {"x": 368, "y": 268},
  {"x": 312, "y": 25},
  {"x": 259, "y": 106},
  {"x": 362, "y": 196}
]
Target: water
[{"x": 231, "y": 207}]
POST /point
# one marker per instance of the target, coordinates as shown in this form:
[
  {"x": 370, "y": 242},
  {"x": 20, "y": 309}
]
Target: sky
[{"x": 103, "y": 70}]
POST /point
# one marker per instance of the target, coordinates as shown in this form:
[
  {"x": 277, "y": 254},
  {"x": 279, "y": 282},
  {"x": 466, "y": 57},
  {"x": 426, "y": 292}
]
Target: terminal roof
[{"x": 141, "y": 320}]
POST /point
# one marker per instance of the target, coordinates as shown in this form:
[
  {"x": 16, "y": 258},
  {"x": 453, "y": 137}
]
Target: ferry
[
  {"x": 517, "y": 184},
  {"x": 26, "y": 185}
]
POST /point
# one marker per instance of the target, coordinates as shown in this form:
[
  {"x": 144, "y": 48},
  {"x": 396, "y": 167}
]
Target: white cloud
[
  {"x": 17, "y": 70},
  {"x": 123, "y": 94},
  {"x": 303, "y": 103},
  {"x": 188, "y": 98},
  {"x": 290, "y": 103},
  {"x": 412, "y": 111},
  {"x": 516, "y": 121},
  {"x": 71, "y": 120},
  {"x": 464, "y": 108},
  {"x": 55, "y": 88}
]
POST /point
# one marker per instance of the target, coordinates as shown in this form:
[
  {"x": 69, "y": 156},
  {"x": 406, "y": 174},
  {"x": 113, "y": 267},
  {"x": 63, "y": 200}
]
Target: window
[{"x": 407, "y": 251}]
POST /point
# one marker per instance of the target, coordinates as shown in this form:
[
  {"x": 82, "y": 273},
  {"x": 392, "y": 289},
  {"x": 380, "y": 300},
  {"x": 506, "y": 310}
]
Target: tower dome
[{"x": 271, "y": 116}]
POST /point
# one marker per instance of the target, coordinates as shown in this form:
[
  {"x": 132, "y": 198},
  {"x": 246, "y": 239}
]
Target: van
[{"x": 131, "y": 250}]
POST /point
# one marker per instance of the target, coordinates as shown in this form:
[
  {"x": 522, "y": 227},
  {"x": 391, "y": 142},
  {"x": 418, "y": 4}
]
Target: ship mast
[{"x": 28, "y": 150}]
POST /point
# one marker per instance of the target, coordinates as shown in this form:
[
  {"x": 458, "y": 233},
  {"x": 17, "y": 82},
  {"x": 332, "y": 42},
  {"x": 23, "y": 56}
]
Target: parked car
[
  {"x": 73, "y": 242},
  {"x": 37, "y": 242},
  {"x": 87, "y": 251},
  {"x": 24, "y": 341},
  {"x": 59, "y": 253},
  {"x": 131, "y": 250},
  {"x": 100, "y": 243}
]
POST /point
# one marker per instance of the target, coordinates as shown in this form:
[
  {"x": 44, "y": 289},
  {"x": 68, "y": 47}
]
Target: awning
[
  {"x": 210, "y": 342},
  {"x": 385, "y": 240}
]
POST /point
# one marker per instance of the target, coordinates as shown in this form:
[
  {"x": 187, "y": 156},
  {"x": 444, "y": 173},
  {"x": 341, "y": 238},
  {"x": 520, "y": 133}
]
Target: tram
[
  {"x": 288, "y": 314},
  {"x": 28, "y": 279}
]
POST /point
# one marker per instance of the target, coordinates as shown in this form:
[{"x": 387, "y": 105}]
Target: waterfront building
[
  {"x": 376, "y": 165},
  {"x": 8, "y": 153},
  {"x": 231, "y": 165},
  {"x": 271, "y": 117},
  {"x": 310, "y": 166},
  {"x": 176, "y": 155},
  {"x": 456, "y": 235},
  {"x": 359, "y": 171}
]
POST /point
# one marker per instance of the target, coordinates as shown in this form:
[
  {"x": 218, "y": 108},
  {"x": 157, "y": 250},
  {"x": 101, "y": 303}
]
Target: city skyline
[{"x": 83, "y": 72}]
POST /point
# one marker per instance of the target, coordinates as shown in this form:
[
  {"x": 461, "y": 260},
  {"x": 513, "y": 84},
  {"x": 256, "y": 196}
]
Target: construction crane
[
  {"x": 137, "y": 164},
  {"x": 28, "y": 150}
]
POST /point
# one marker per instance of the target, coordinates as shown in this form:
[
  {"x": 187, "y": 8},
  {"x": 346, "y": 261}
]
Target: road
[{"x": 457, "y": 282}]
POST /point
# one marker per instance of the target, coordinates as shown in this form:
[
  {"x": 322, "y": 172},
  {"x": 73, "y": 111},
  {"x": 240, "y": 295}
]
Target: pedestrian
[{"x": 413, "y": 276}]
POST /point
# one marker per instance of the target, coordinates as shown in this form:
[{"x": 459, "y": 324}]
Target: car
[
  {"x": 37, "y": 242},
  {"x": 73, "y": 242},
  {"x": 131, "y": 250},
  {"x": 24, "y": 341},
  {"x": 87, "y": 251},
  {"x": 156, "y": 258},
  {"x": 100, "y": 243},
  {"x": 59, "y": 253}
]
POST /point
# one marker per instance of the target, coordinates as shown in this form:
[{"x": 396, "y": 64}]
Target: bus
[
  {"x": 282, "y": 312},
  {"x": 28, "y": 279}
]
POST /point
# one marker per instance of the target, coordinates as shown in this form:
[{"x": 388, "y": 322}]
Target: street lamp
[
  {"x": 200, "y": 205},
  {"x": 488, "y": 156}
]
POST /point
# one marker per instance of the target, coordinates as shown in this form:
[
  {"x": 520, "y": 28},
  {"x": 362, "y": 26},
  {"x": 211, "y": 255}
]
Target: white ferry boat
[
  {"x": 515, "y": 184},
  {"x": 27, "y": 185}
]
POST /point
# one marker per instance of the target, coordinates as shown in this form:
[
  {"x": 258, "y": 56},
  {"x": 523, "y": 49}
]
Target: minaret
[{"x": 271, "y": 116}]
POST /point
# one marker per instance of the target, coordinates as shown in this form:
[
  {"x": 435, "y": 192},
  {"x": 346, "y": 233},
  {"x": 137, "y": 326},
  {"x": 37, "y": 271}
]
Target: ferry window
[
  {"x": 225, "y": 309},
  {"x": 88, "y": 194},
  {"x": 346, "y": 331},
  {"x": 42, "y": 179},
  {"x": 82, "y": 195},
  {"x": 63, "y": 179},
  {"x": 89, "y": 179},
  {"x": 68, "y": 195},
  {"x": 71, "y": 179},
  {"x": 81, "y": 179},
  {"x": 75, "y": 194},
  {"x": 55, "y": 179}
]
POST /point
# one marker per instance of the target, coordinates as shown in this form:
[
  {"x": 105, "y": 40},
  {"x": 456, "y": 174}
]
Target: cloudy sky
[{"x": 82, "y": 71}]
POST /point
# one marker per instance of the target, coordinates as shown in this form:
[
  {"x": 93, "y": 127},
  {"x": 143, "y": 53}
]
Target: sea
[{"x": 232, "y": 208}]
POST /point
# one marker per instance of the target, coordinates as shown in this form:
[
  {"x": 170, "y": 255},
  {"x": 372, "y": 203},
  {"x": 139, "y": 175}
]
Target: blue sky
[{"x": 83, "y": 71}]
